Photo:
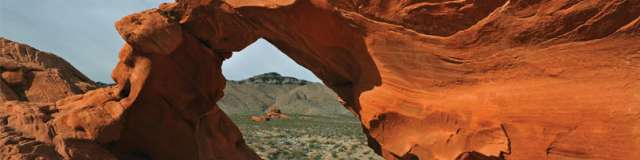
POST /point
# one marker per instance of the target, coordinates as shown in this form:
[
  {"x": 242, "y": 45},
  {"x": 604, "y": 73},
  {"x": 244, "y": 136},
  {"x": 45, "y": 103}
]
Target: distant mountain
[{"x": 293, "y": 96}]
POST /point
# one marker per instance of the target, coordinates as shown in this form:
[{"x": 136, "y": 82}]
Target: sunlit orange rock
[
  {"x": 271, "y": 113},
  {"x": 274, "y": 113},
  {"x": 259, "y": 118},
  {"x": 77, "y": 127},
  {"x": 28, "y": 74},
  {"x": 38, "y": 122},
  {"x": 44, "y": 111},
  {"x": 447, "y": 79},
  {"x": 504, "y": 79}
]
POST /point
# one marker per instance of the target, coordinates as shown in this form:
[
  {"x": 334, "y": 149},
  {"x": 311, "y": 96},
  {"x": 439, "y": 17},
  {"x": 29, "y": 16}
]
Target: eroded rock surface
[
  {"x": 45, "y": 113},
  {"x": 77, "y": 127},
  {"x": 511, "y": 79},
  {"x": 446, "y": 79},
  {"x": 27, "y": 74}
]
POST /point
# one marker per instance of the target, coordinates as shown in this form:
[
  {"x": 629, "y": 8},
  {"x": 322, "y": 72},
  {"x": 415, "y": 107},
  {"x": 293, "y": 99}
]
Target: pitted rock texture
[
  {"x": 445, "y": 79},
  {"x": 77, "y": 127},
  {"x": 27, "y": 74}
]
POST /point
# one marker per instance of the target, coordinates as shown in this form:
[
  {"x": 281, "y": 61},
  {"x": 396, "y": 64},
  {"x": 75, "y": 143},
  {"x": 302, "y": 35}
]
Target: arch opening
[{"x": 285, "y": 112}]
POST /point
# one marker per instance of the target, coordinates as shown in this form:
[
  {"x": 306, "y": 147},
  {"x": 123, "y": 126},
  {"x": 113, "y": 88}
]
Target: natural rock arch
[{"x": 520, "y": 79}]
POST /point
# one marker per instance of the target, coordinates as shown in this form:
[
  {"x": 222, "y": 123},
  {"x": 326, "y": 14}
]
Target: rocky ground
[{"x": 306, "y": 137}]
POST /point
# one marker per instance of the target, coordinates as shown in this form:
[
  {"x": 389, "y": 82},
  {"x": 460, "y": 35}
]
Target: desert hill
[{"x": 293, "y": 96}]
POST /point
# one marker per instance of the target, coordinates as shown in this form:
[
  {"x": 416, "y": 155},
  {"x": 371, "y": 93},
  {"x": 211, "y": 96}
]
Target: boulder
[{"x": 270, "y": 114}]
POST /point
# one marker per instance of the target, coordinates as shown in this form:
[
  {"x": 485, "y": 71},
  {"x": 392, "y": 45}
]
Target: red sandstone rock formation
[
  {"x": 259, "y": 118},
  {"x": 38, "y": 122},
  {"x": 77, "y": 127},
  {"x": 27, "y": 74},
  {"x": 511, "y": 79},
  {"x": 445, "y": 79},
  {"x": 272, "y": 113}
]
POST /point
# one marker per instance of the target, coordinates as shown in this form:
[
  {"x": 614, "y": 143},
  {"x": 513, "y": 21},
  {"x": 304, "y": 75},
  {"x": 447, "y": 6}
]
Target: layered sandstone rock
[
  {"x": 27, "y": 74},
  {"x": 446, "y": 79},
  {"x": 512, "y": 79},
  {"x": 77, "y": 127},
  {"x": 38, "y": 122}
]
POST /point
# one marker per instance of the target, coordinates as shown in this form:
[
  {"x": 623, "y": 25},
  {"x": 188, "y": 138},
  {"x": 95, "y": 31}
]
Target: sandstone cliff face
[{"x": 463, "y": 79}]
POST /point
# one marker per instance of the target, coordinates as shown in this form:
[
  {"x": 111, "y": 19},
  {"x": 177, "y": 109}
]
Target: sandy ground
[{"x": 307, "y": 137}]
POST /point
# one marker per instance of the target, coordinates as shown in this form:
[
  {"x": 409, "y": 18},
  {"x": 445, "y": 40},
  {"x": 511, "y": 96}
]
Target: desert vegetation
[{"x": 306, "y": 137}]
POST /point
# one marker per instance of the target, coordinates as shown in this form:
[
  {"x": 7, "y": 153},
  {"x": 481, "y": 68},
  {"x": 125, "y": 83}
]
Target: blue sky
[{"x": 83, "y": 33}]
